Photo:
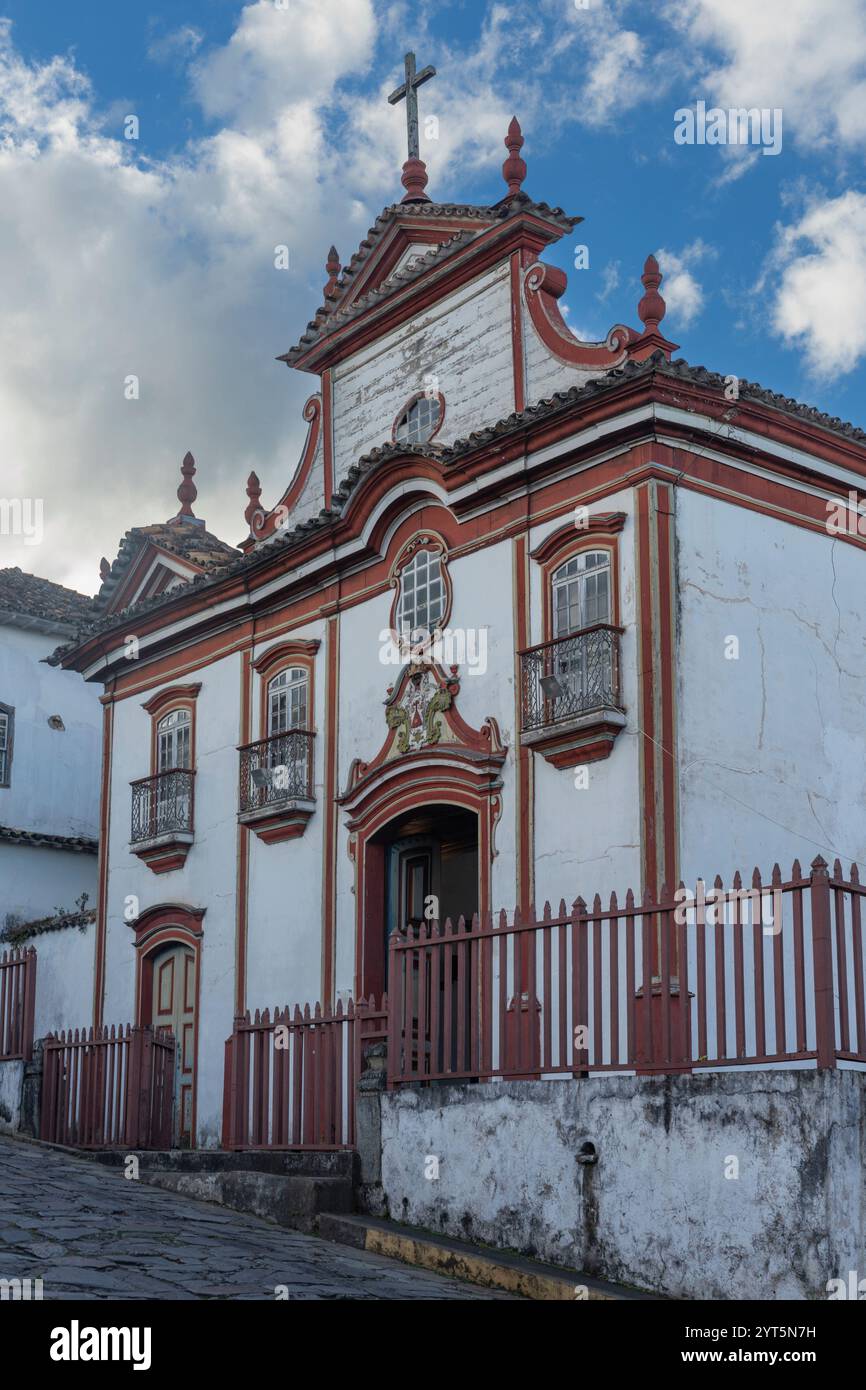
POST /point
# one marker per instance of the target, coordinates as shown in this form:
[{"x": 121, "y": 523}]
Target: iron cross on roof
[{"x": 409, "y": 90}]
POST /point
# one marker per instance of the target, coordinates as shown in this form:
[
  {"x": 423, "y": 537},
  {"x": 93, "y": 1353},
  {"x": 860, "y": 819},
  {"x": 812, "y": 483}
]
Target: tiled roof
[
  {"x": 558, "y": 403},
  {"x": 25, "y": 597},
  {"x": 335, "y": 312},
  {"x": 186, "y": 540},
  {"x": 78, "y": 844}
]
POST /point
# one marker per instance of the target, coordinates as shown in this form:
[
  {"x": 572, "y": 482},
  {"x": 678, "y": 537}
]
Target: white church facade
[{"x": 532, "y": 618}]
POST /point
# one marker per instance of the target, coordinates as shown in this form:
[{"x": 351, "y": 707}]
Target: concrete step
[
  {"x": 475, "y": 1264},
  {"x": 322, "y": 1163},
  {"x": 294, "y": 1200}
]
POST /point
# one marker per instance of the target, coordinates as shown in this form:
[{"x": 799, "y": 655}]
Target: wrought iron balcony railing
[
  {"x": 162, "y": 804},
  {"x": 569, "y": 677},
  {"x": 277, "y": 769}
]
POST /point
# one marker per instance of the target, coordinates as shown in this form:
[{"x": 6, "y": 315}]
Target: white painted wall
[
  {"x": 588, "y": 838},
  {"x": 771, "y": 746},
  {"x": 55, "y": 775},
  {"x": 36, "y": 881},
  {"x": 64, "y": 979},
  {"x": 284, "y": 931},
  {"x": 207, "y": 879}
]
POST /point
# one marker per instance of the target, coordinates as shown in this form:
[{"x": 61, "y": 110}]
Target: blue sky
[{"x": 155, "y": 256}]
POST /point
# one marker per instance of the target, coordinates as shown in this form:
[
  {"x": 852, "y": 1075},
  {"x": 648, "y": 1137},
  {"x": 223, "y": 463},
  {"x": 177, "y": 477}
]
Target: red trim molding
[
  {"x": 102, "y": 865},
  {"x": 264, "y": 524},
  {"x": 284, "y": 653},
  {"x": 543, "y": 285},
  {"x": 657, "y": 685},
  {"x": 561, "y": 540},
  {"x": 525, "y": 767},
  {"x": 328, "y": 450},
  {"x": 174, "y": 695},
  {"x": 330, "y": 798}
]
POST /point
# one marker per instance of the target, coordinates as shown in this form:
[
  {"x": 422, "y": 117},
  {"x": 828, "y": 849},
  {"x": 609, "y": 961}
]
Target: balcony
[
  {"x": 276, "y": 785},
  {"x": 162, "y": 818},
  {"x": 570, "y": 696}
]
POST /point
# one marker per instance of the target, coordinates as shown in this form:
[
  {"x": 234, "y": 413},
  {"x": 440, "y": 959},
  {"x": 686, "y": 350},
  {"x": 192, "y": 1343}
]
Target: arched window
[
  {"x": 419, "y": 420},
  {"x": 581, "y": 592},
  {"x": 287, "y": 700},
  {"x": 173, "y": 740},
  {"x": 423, "y": 597}
]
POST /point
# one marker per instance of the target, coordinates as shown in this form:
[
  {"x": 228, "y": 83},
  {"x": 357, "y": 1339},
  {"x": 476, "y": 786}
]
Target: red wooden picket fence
[
  {"x": 291, "y": 1077},
  {"x": 768, "y": 974},
  {"x": 17, "y": 1004},
  {"x": 108, "y": 1088}
]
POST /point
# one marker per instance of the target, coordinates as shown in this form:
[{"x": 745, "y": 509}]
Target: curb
[{"x": 492, "y": 1269}]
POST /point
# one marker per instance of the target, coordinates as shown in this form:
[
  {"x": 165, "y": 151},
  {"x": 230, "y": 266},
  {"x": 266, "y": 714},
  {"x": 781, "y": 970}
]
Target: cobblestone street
[{"x": 88, "y": 1232}]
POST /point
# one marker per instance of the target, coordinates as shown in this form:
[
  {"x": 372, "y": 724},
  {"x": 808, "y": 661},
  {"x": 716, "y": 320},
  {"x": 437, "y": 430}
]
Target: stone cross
[{"x": 409, "y": 90}]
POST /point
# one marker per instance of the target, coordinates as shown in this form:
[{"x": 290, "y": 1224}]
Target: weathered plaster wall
[
  {"x": 11, "y": 1080},
  {"x": 544, "y": 372},
  {"x": 451, "y": 340},
  {"x": 771, "y": 744},
  {"x": 64, "y": 979},
  {"x": 37, "y": 880},
  {"x": 657, "y": 1210}
]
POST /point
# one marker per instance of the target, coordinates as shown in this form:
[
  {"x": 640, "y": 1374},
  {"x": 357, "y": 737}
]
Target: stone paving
[{"x": 88, "y": 1232}]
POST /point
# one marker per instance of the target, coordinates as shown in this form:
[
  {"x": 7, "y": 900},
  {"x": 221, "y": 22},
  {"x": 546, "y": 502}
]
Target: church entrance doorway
[{"x": 421, "y": 866}]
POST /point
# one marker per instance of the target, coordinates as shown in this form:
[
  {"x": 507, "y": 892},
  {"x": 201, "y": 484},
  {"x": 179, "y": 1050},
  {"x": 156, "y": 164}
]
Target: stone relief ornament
[{"x": 414, "y": 715}]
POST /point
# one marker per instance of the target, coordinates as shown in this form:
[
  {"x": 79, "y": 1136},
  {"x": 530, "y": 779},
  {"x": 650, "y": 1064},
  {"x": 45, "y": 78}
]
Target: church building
[{"x": 532, "y": 618}]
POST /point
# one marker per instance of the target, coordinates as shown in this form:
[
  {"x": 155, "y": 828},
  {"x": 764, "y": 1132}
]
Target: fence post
[
  {"x": 133, "y": 1086},
  {"x": 822, "y": 958},
  {"x": 395, "y": 1009},
  {"x": 145, "y": 1089},
  {"x": 29, "y": 1004},
  {"x": 228, "y": 1064}
]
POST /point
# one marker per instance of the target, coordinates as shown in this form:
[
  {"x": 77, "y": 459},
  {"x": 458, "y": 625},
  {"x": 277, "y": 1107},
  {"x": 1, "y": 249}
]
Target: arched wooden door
[{"x": 173, "y": 1006}]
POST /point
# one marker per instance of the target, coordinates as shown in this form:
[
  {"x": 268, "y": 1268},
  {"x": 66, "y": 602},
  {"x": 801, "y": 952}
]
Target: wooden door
[{"x": 174, "y": 1008}]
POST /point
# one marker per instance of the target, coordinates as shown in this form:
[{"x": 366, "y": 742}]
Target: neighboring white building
[
  {"x": 653, "y": 663},
  {"x": 50, "y": 756}
]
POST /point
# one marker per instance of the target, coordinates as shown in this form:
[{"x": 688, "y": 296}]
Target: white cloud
[
  {"x": 277, "y": 57},
  {"x": 817, "y": 275},
  {"x": 807, "y": 58},
  {"x": 176, "y": 46},
  {"x": 113, "y": 265},
  {"x": 682, "y": 291}
]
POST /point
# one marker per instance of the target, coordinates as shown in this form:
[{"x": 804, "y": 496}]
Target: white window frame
[
  {"x": 174, "y": 739},
  {"x": 419, "y": 420},
  {"x": 423, "y": 574}
]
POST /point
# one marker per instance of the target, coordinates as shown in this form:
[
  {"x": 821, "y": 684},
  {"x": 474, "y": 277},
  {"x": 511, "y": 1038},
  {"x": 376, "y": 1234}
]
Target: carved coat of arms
[{"x": 414, "y": 714}]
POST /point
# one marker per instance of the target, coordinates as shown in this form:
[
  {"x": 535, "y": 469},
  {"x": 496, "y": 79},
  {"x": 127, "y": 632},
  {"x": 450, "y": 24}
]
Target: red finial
[
  {"x": 187, "y": 492},
  {"x": 333, "y": 267},
  {"x": 652, "y": 307},
  {"x": 414, "y": 180},
  {"x": 254, "y": 492},
  {"x": 514, "y": 168},
  {"x": 104, "y": 569}
]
